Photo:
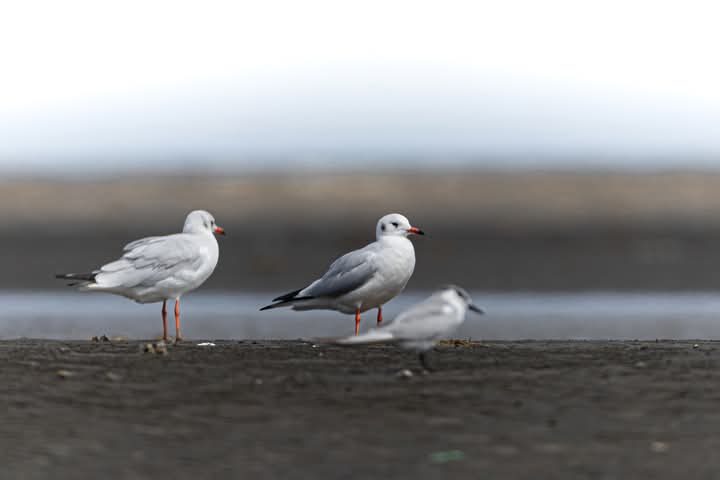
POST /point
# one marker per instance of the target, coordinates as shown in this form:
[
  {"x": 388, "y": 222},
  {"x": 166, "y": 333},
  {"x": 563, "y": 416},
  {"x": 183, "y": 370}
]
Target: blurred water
[{"x": 511, "y": 316}]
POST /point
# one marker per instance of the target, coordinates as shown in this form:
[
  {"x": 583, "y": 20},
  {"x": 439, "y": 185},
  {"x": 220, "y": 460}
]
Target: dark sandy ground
[{"x": 293, "y": 410}]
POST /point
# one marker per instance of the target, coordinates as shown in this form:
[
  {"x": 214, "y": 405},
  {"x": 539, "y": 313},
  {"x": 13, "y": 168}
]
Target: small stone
[
  {"x": 206, "y": 344},
  {"x": 447, "y": 456},
  {"x": 659, "y": 447},
  {"x": 119, "y": 338},
  {"x": 258, "y": 381},
  {"x": 301, "y": 378},
  {"x": 550, "y": 448},
  {"x": 65, "y": 373},
  {"x": 158, "y": 348},
  {"x": 696, "y": 346},
  {"x": 640, "y": 364},
  {"x": 404, "y": 373},
  {"x": 161, "y": 348},
  {"x": 505, "y": 450},
  {"x": 138, "y": 455},
  {"x": 114, "y": 377}
]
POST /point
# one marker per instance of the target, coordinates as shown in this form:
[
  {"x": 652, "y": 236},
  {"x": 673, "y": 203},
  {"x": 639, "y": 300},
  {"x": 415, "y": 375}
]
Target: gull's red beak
[
  {"x": 415, "y": 231},
  {"x": 219, "y": 230}
]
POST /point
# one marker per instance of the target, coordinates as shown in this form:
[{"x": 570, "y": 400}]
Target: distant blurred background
[{"x": 544, "y": 146}]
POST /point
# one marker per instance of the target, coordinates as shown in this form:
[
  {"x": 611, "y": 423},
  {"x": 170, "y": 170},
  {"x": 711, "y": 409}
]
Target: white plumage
[
  {"x": 157, "y": 269},
  {"x": 362, "y": 279},
  {"x": 421, "y": 326}
]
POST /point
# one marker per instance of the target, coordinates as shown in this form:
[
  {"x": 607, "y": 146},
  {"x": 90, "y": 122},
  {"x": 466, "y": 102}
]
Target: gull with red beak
[
  {"x": 158, "y": 269},
  {"x": 362, "y": 279}
]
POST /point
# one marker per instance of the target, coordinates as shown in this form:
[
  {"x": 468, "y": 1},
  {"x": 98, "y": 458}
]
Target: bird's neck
[
  {"x": 401, "y": 243},
  {"x": 454, "y": 302},
  {"x": 394, "y": 238},
  {"x": 199, "y": 231}
]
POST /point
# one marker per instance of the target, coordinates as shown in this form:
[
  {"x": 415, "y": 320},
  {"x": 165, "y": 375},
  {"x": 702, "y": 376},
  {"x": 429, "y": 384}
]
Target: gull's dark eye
[
  {"x": 382, "y": 227},
  {"x": 395, "y": 224},
  {"x": 462, "y": 294}
]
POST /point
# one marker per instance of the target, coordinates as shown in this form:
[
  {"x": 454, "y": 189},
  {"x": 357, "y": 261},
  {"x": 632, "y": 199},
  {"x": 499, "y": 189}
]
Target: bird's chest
[
  {"x": 398, "y": 267},
  {"x": 209, "y": 255},
  {"x": 395, "y": 265},
  {"x": 203, "y": 268}
]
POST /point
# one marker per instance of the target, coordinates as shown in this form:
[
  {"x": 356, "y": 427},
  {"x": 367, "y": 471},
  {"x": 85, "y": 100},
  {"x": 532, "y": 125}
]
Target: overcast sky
[{"x": 171, "y": 83}]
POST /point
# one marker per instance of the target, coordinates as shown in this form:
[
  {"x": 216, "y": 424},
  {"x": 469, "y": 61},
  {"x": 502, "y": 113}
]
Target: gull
[
  {"x": 423, "y": 325},
  {"x": 362, "y": 279},
  {"x": 158, "y": 269}
]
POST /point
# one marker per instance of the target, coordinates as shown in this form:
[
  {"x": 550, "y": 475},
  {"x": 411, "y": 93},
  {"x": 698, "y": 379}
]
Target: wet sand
[{"x": 287, "y": 409}]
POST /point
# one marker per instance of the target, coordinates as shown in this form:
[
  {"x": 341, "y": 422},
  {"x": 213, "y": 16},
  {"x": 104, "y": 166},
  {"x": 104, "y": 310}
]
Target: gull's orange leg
[
  {"x": 379, "y": 319},
  {"x": 178, "y": 337},
  {"x": 357, "y": 321},
  {"x": 164, "y": 317}
]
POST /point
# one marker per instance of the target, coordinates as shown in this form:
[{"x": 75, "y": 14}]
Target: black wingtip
[
  {"x": 285, "y": 303},
  {"x": 287, "y": 296},
  {"x": 85, "y": 277}
]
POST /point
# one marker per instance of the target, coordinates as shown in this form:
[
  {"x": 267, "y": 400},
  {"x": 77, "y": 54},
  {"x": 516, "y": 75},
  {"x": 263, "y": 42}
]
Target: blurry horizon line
[{"x": 271, "y": 164}]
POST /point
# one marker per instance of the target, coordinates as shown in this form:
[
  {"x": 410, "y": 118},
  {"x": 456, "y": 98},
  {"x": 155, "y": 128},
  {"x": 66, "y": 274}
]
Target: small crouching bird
[
  {"x": 158, "y": 269},
  {"x": 423, "y": 325},
  {"x": 362, "y": 279}
]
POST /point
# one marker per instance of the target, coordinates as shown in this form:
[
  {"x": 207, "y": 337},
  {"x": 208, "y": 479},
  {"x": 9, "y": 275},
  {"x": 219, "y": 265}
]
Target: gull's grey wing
[
  {"x": 149, "y": 260},
  {"x": 143, "y": 242},
  {"x": 347, "y": 273},
  {"x": 430, "y": 318}
]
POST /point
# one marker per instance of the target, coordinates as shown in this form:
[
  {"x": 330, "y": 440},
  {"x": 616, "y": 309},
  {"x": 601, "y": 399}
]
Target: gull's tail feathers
[
  {"x": 371, "y": 336},
  {"x": 286, "y": 300},
  {"x": 78, "y": 279}
]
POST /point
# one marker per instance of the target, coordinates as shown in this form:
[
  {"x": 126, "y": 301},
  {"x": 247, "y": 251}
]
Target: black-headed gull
[
  {"x": 158, "y": 269},
  {"x": 424, "y": 324},
  {"x": 362, "y": 279}
]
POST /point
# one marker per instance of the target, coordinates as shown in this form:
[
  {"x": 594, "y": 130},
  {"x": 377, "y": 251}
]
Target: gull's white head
[
  {"x": 395, "y": 225},
  {"x": 200, "y": 221},
  {"x": 455, "y": 293}
]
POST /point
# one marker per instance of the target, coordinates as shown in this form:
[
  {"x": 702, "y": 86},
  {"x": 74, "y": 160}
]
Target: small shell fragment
[
  {"x": 404, "y": 373},
  {"x": 659, "y": 447},
  {"x": 158, "y": 348}
]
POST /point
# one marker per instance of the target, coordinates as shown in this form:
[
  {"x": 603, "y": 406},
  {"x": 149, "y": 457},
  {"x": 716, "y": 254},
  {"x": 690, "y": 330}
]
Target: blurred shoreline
[
  {"x": 541, "y": 231},
  {"x": 499, "y": 199}
]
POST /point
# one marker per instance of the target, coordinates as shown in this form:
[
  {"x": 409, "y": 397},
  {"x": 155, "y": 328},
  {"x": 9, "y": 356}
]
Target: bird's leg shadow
[{"x": 425, "y": 363}]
